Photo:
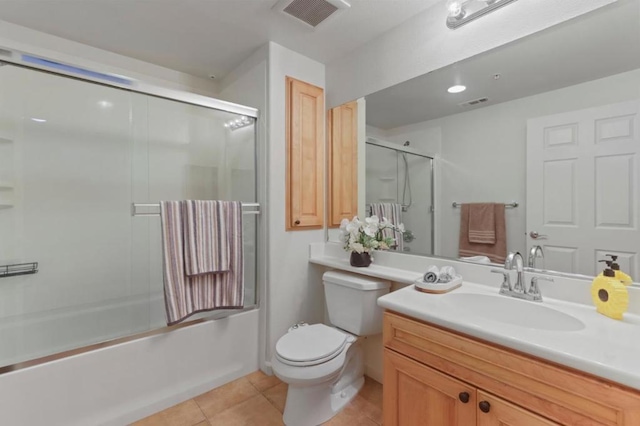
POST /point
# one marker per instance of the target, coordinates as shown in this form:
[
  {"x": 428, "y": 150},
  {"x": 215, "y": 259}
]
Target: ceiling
[
  {"x": 596, "y": 45},
  {"x": 204, "y": 37}
]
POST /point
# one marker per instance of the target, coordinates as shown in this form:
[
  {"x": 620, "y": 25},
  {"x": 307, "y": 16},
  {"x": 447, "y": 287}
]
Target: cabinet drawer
[{"x": 563, "y": 395}]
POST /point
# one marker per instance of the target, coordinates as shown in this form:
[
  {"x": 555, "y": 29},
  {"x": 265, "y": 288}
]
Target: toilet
[{"x": 323, "y": 365}]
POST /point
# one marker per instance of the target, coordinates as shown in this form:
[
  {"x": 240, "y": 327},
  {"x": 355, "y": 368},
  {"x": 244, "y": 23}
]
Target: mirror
[{"x": 548, "y": 125}]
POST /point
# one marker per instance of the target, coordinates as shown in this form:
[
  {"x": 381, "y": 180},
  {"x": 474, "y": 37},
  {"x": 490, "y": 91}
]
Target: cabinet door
[
  {"x": 502, "y": 413},
  {"x": 305, "y": 155},
  {"x": 343, "y": 163},
  {"x": 416, "y": 395}
]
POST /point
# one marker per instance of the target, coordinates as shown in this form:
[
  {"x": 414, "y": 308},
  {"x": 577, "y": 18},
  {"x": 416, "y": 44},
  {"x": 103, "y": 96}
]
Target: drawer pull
[
  {"x": 464, "y": 397},
  {"x": 484, "y": 406}
]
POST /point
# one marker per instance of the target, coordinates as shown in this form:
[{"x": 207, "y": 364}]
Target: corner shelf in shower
[{"x": 18, "y": 269}]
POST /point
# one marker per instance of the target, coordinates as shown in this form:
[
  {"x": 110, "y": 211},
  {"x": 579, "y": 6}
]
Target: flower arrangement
[{"x": 368, "y": 235}]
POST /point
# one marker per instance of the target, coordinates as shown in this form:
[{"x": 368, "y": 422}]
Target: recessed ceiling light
[
  {"x": 38, "y": 120},
  {"x": 457, "y": 89}
]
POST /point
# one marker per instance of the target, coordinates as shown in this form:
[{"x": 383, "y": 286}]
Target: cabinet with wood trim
[
  {"x": 343, "y": 163},
  {"x": 304, "y": 155},
  {"x": 436, "y": 377}
]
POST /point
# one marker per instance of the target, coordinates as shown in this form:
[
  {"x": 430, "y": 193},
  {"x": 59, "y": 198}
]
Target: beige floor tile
[
  {"x": 262, "y": 381},
  {"x": 349, "y": 416},
  {"x": 205, "y": 423},
  {"x": 372, "y": 391},
  {"x": 277, "y": 396},
  {"x": 256, "y": 411},
  {"x": 226, "y": 396},
  {"x": 185, "y": 414}
]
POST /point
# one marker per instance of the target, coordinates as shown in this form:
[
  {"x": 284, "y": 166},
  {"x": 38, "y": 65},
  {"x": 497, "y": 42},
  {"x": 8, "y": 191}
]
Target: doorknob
[{"x": 536, "y": 236}]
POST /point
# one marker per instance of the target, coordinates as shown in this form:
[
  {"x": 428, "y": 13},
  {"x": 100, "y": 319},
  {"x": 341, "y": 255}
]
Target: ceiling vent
[
  {"x": 312, "y": 12},
  {"x": 474, "y": 102}
]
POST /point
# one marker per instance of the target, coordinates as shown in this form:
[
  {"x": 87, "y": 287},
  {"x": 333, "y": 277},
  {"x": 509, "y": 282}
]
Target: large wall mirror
[{"x": 548, "y": 125}]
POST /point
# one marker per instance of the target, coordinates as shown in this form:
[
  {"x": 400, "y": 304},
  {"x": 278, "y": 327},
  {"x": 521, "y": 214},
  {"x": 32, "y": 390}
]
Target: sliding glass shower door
[{"x": 74, "y": 157}]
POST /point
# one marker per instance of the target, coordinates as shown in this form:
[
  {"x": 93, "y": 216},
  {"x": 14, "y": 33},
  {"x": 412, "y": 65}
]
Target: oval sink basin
[{"x": 513, "y": 311}]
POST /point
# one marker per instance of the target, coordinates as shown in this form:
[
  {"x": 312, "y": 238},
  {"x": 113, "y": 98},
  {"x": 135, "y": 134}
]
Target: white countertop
[
  {"x": 384, "y": 272},
  {"x": 604, "y": 347}
]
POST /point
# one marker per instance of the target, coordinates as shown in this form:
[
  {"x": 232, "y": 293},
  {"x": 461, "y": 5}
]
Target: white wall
[
  {"x": 482, "y": 152},
  {"x": 16, "y": 37},
  {"x": 424, "y": 44},
  {"x": 295, "y": 290}
]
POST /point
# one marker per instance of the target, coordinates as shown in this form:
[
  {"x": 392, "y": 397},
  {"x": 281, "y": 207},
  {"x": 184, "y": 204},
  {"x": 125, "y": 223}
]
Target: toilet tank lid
[{"x": 354, "y": 281}]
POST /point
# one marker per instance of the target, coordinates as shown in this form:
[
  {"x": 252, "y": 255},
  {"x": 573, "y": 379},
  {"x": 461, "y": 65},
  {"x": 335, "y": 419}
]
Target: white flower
[
  {"x": 401, "y": 227},
  {"x": 344, "y": 223},
  {"x": 357, "y": 247}
]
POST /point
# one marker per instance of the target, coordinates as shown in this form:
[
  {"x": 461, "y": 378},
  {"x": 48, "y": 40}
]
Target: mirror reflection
[{"x": 531, "y": 147}]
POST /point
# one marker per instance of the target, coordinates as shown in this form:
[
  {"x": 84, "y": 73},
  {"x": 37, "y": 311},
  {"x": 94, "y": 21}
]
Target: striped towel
[
  {"x": 482, "y": 223},
  {"x": 186, "y": 295},
  {"x": 393, "y": 213},
  {"x": 206, "y": 246}
]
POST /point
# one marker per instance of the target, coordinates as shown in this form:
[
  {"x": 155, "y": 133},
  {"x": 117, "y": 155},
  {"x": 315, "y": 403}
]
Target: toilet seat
[{"x": 311, "y": 345}]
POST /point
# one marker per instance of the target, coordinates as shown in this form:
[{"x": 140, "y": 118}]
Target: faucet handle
[
  {"x": 506, "y": 283},
  {"x": 534, "y": 290}
]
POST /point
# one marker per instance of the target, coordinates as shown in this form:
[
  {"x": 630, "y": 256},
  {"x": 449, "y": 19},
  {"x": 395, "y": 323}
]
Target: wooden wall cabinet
[
  {"x": 305, "y": 156},
  {"x": 343, "y": 163},
  {"x": 435, "y": 377}
]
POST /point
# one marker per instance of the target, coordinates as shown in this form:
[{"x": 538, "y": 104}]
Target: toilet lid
[{"x": 311, "y": 344}]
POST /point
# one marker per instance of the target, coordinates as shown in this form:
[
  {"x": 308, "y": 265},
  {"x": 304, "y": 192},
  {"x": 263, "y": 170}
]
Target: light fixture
[
  {"x": 38, "y": 120},
  {"x": 238, "y": 123},
  {"x": 458, "y": 88},
  {"x": 461, "y": 12},
  {"x": 105, "y": 104}
]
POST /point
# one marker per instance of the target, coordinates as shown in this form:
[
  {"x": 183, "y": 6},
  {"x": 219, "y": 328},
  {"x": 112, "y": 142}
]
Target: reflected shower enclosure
[
  {"x": 74, "y": 157},
  {"x": 397, "y": 175}
]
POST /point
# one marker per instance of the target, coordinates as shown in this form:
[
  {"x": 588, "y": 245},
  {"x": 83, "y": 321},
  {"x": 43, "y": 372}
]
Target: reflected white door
[{"x": 582, "y": 187}]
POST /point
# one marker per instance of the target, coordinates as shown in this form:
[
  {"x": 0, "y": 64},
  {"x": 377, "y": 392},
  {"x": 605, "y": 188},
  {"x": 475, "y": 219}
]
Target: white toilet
[{"x": 323, "y": 365}]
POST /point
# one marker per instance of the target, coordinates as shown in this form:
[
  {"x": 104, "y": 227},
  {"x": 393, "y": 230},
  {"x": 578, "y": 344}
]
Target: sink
[{"x": 513, "y": 311}]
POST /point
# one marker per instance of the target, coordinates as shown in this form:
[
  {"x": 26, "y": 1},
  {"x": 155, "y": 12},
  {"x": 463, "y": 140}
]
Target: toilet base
[{"x": 314, "y": 405}]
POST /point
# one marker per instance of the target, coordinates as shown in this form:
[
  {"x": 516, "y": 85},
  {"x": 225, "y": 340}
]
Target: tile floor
[{"x": 258, "y": 400}]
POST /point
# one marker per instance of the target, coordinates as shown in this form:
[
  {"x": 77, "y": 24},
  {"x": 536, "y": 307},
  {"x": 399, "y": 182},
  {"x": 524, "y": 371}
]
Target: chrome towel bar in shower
[
  {"x": 135, "y": 206},
  {"x": 511, "y": 205}
]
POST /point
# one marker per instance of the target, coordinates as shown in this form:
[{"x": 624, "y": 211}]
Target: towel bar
[
  {"x": 511, "y": 205},
  {"x": 135, "y": 206},
  {"x": 18, "y": 269}
]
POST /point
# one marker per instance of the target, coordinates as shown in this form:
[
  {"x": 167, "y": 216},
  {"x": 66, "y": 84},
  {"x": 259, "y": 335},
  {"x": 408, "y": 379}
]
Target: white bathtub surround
[{"x": 604, "y": 347}]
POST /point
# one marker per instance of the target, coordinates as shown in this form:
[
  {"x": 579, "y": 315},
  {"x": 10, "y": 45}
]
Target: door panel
[
  {"x": 503, "y": 413},
  {"x": 582, "y": 187}
]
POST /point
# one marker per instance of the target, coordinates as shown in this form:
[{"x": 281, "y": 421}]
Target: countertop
[{"x": 604, "y": 347}]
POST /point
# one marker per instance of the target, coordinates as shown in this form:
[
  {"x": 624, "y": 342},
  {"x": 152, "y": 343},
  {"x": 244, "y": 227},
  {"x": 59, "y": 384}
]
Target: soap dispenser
[
  {"x": 625, "y": 278},
  {"x": 609, "y": 294}
]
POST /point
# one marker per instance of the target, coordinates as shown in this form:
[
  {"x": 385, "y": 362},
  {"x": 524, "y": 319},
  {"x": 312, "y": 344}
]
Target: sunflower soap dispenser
[{"x": 609, "y": 294}]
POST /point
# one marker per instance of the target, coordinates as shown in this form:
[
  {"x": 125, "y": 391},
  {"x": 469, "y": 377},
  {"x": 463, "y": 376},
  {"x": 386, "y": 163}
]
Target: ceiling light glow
[
  {"x": 457, "y": 88},
  {"x": 238, "y": 123},
  {"x": 38, "y": 120}
]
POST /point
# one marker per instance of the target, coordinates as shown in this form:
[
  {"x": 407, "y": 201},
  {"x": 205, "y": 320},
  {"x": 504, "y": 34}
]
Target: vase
[{"x": 360, "y": 260}]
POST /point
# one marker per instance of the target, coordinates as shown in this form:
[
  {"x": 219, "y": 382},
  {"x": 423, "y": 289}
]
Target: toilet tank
[{"x": 352, "y": 302}]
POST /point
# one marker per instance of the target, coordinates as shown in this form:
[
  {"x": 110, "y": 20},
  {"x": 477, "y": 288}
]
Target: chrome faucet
[
  {"x": 535, "y": 253},
  {"x": 514, "y": 261}
]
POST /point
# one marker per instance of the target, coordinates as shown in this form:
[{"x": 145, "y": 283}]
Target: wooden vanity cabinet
[{"x": 436, "y": 377}]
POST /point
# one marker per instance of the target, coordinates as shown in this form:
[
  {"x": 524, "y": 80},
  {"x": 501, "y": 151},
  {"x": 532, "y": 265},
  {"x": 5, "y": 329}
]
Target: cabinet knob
[
  {"x": 484, "y": 406},
  {"x": 297, "y": 222},
  {"x": 464, "y": 397}
]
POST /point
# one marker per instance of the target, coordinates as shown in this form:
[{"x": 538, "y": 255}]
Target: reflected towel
[
  {"x": 393, "y": 213},
  {"x": 186, "y": 295},
  {"x": 482, "y": 223},
  {"x": 496, "y": 252},
  {"x": 206, "y": 246}
]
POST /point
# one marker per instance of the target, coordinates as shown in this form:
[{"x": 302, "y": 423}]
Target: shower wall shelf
[
  {"x": 5, "y": 206},
  {"x": 18, "y": 269}
]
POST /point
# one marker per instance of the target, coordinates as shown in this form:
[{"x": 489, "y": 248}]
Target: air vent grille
[
  {"x": 474, "y": 102},
  {"x": 311, "y": 12}
]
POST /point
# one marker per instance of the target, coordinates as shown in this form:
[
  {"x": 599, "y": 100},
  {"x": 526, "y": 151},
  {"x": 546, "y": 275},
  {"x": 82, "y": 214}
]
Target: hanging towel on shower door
[
  {"x": 393, "y": 213},
  {"x": 206, "y": 246},
  {"x": 186, "y": 295},
  {"x": 496, "y": 252}
]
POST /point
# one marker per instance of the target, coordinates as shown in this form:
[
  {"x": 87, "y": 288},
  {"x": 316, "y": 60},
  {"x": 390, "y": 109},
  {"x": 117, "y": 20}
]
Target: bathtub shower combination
[{"x": 82, "y": 169}]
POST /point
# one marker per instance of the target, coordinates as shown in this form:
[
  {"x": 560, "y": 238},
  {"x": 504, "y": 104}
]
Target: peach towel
[
  {"x": 482, "y": 223},
  {"x": 497, "y": 252}
]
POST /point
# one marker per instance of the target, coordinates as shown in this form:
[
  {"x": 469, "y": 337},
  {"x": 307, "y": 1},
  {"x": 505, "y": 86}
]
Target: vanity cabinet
[
  {"x": 305, "y": 155},
  {"x": 436, "y": 377}
]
